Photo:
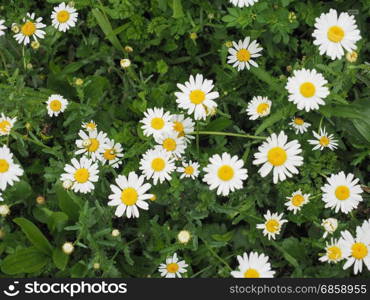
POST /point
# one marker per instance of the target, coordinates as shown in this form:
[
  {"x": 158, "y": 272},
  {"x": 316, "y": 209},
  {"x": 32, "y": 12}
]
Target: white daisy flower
[
  {"x": 296, "y": 201},
  {"x": 342, "y": 193},
  {"x": 129, "y": 194},
  {"x": 56, "y": 104},
  {"x": 189, "y": 170},
  {"x": 299, "y": 125},
  {"x": 31, "y": 27},
  {"x": 253, "y": 265},
  {"x": 112, "y": 153},
  {"x": 157, "y": 164},
  {"x": 225, "y": 173},
  {"x": 93, "y": 144},
  {"x": 307, "y": 89},
  {"x": 6, "y": 124},
  {"x": 89, "y": 126},
  {"x": 243, "y": 3},
  {"x": 278, "y": 155},
  {"x": 241, "y": 56},
  {"x": 363, "y": 231},
  {"x": 173, "y": 267},
  {"x": 64, "y": 17},
  {"x": 2, "y": 27},
  {"x": 82, "y": 173},
  {"x": 156, "y": 122},
  {"x": 335, "y": 251},
  {"x": 323, "y": 140},
  {"x": 9, "y": 171},
  {"x": 273, "y": 224},
  {"x": 259, "y": 107},
  {"x": 196, "y": 96},
  {"x": 330, "y": 226},
  {"x": 172, "y": 143},
  {"x": 183, "y": 126},
  {"x": 359, "y": 251},
  {"x": 334, "y": 33}
]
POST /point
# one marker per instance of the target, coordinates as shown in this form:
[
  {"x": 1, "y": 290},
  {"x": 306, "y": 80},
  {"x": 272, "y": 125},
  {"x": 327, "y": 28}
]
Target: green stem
[
  {"x": 197, "y": 138},
  {"x": 248, "y": 136},
  {"x": 37, "y": 142},
  {"x": 217, "y": 256}
]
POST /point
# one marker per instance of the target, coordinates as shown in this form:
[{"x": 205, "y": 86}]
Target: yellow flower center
[
  {"x": 63, "y": 16},
  {"x": 94, "y": 145},
  {"x": 157, "y": 123},
  {"x": 158, "y": 164},
  {"x": 243, "y": 55},
  {"x": 297, "y": 200},
  {"x": 324, "y": 141},
  {"x": 277, "y": 156},
  {"x": 251, "y": 273},
  {"x": 55, "y": 105},
  {"x": 359, "y": 250},
  {"x": 109, "y": 154},
  {"x": 307, "y": 89},
  {"x": 335, "y": 34},
  {"x": 28, "y": 28},
  {"x": 334, "y": 253},
  {"x": 129, "y": 196},
  {"x": 225, "y": 173},
  {"x": 5, "y": 126},
  {"x": 82, "y": 175},
  {"x": 91, "y": 126},
  {"x": 178, "y": 126},
  {"x": 4, "y": 166},
  {"x": 342, "y": 192},
  {"x": 172, "y": 268},
  {"x": 272, "y": 225},
  {"x": 169, "y": 144},
  {"x": 298, "y": 121},
  {"x": 197, "y": 96},
  {"x": 189, "y": 170},
  {"x": 261, "y": 108}
]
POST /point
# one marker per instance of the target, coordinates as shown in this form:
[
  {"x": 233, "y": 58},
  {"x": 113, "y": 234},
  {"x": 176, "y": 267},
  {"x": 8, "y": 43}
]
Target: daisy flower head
[
  {"x": 31, "y": 27},
  {"x": 242, "y": 54},
  {"x": 2, "y": 27},
  {"x": 333, "y": 33},
  {"x": 307, "y": 89},
  {"x": 296, "y": 201},
  {"x": 82, "y": 173},
  {"x": 342, "y": 193},
  {"x": 189, "y": 170},
  {"x": 259, "y": 107},
  {"x": 323, "y": 140},
  {"x": 173, "y": 267},
  {"x": 172, "y": 143},
  {"x": 64, "y": 17},
  {"x": 272, "y": 225},
  {"x": 226, "y": 173},
  {"x": 253, "y": 265},
  {"x": 9, "y": 171},
  {"x": 359, "y": 251},
  {"x": 299, "y": 125},
  {"x": 334, "y": 251},
  {"x": 112, "y": 153},
  {"x": 330, "y": 226},
  {"x": 92, "y": 144},
  {"x": 183, "y": 126},
  {"x": 157, "y": 164},
  {"x": 90, "y": 126},
  {"x": 196, "y": 96},
  {"x": 129, "y": 194},
  {"x": 56, "y": 104},
  {"x": 156, "y": 122},
  {"x": 6, "y": 124},
  {"x": 279, "y": 155},
  {"x": 243, "y": 3}
]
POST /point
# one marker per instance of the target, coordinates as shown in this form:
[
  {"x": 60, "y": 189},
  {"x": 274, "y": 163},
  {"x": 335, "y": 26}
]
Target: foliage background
[{"x": 164, "y": 54}]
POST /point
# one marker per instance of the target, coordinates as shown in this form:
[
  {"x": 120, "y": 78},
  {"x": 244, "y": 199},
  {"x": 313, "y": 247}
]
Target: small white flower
[
  {"x": 296, "y": 201},
  {"x": 92, "y": 145},
  {"x": 64, "y": 17},
  {"x": 253, "y": 265},
  {"x": 172, "y": 143},
  {"x": 273, "y": 224},
  {"x": 323, "y": 140},
  {"x": 189, "y": 170},
  {"x": 243, "y": 3},
  {"x": 156, "y": 122},
  {"x": 2, "y": 27},
  {"x": 299, "y": 125},
  {"x": 183, "y": 126},
  {"x": 241, "y": 56},
  {"x": 335, "y": 251},
  {"x": 125, "y": 63},
  {"x": 9, "y": 171},
  {"x": 6, "y": 124},
  {"x": 56, "y": 104},
  {"x": 330, "y": 226},
  {"x": 89, "y": 126},
  {"x": 112, "y": 153},
  {"x": 30, "y": 28},
  {"x": 259, "y": 107},
  {"x": 184, "y": 236},
  {"x": 173, "y": 267},
  {"x": 67, "y": 184}
]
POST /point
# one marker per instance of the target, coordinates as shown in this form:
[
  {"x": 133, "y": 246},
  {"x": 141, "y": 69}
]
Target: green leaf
[
  {"x": 28, "y": 260},
  {"x": 219, "y": 124},
  {"x": 66, "y": 203},
  {"x": 60, "y": 259},
  {"x": 57, "y": 221},
  {"x": 177, "y": 9},
  {"x": 267, "y": 78},
  {"x": 34, "y": 235}
]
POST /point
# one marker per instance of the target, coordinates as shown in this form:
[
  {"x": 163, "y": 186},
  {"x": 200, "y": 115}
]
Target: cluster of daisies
[{"x": 63, "y": 17}]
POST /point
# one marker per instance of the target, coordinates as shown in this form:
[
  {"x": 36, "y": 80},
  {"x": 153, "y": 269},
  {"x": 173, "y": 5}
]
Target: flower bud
[
  {"x": 184, "y": 236},
  {"x": 125, "y": 63},
  {"x": 330, "y": 225},
  {"x": 68, "y": 248},
  {"x": 115, "y": 233},
  {"x": 4, "y": 210}
]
